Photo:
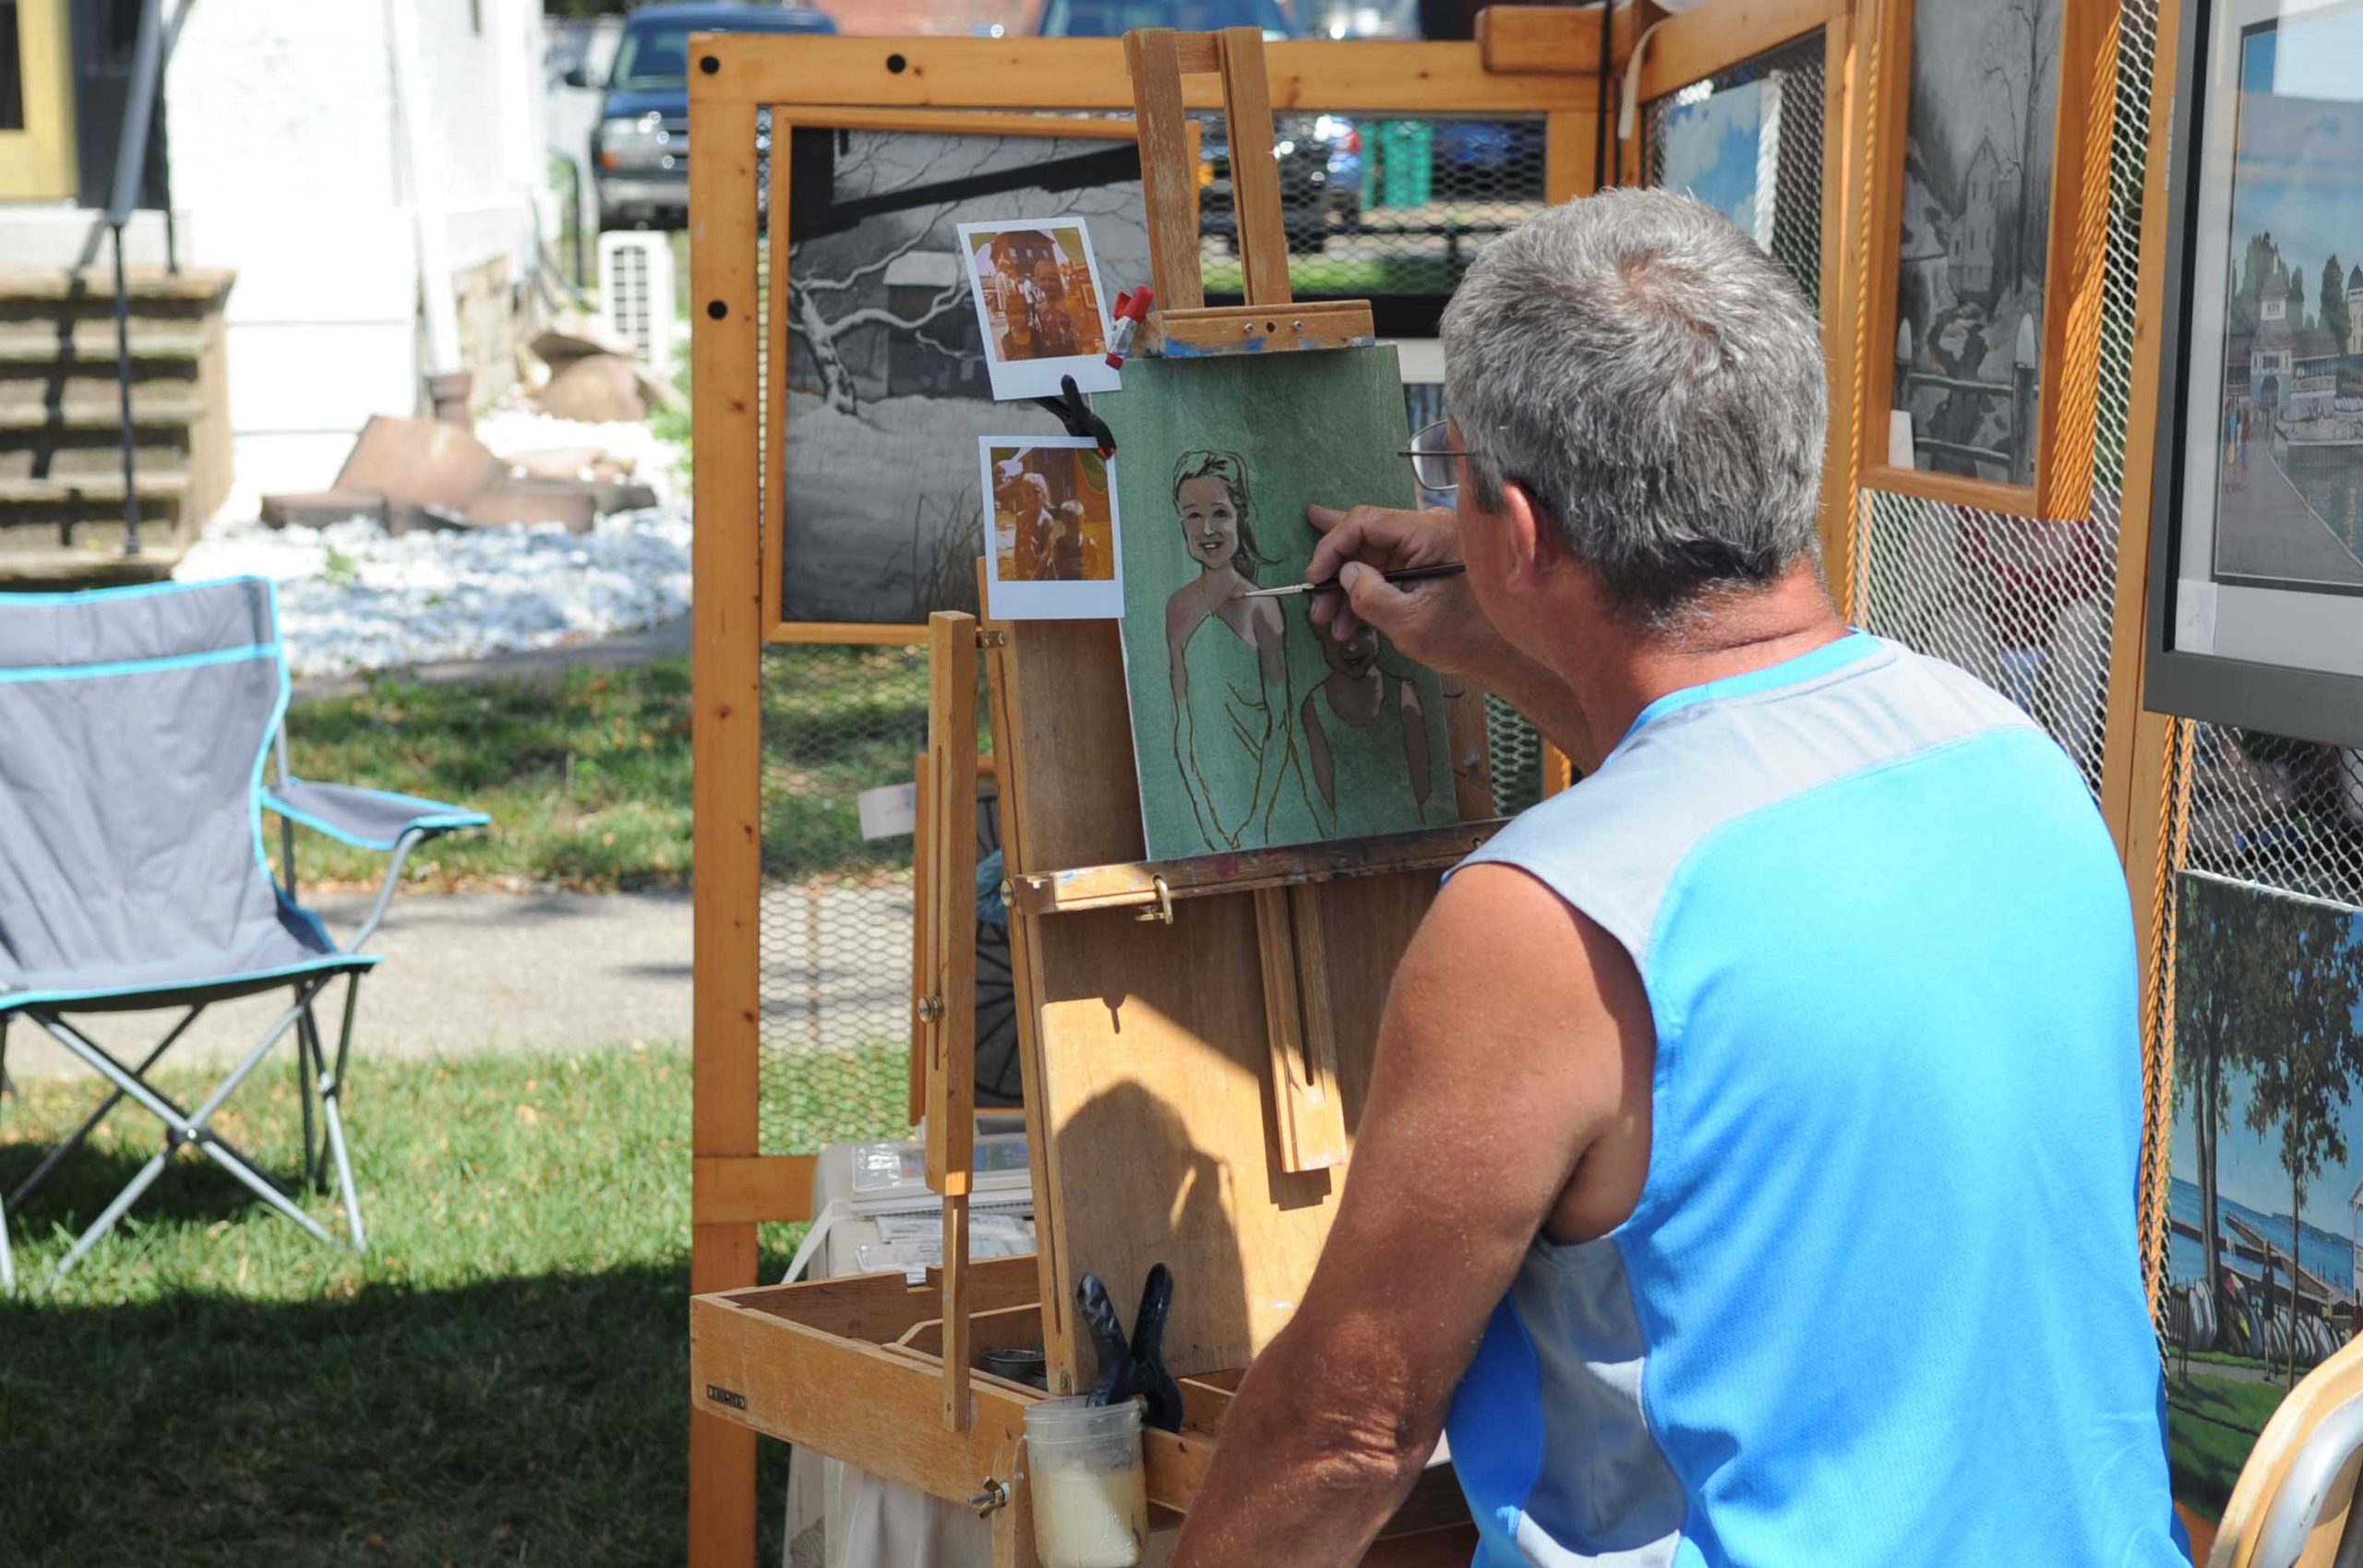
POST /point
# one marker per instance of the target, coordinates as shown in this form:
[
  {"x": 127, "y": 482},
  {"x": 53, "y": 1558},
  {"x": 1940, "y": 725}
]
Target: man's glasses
[{"x": 1432, "y": 454}]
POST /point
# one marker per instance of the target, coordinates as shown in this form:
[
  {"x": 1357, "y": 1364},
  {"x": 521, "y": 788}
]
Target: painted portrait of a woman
[{"x": 1228, "y": 659}]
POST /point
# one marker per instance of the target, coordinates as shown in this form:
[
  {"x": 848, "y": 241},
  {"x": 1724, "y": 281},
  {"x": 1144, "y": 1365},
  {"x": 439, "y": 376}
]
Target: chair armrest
[{"x": 367, "y": 818}]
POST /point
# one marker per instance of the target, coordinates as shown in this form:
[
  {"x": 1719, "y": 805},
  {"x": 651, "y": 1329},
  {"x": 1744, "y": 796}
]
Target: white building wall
[{"x": 287, "y": 166}]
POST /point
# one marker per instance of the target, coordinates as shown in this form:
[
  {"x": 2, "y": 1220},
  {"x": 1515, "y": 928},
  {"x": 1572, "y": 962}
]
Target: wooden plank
[
  {"x": 1133, "y": 885},
  {"x": 1694, "y": 46},
  {"x": 1319, "y": 1112},
  {"x": 751, "y": 1188},
  {"x": 1003, "y": 1328},
  {"x": 1284, "y": 1018},
  {"x": 1958, "y": 489},
  {"x": 1248, "y": 328},
  {"x": 1567, "y": 166},
  {"x": 951, "y": 828},
  {"x": 863, "y": 634},
  {"x": 1839, "y": 285},
  {"x": 1559, "y": 41},
  {"x": 1254, "y": 174},
  {"x": 1473, "y": 759},
  {"x": 922, "y": 940},
  {"x": 2127, "y": 798},
  {"x": 1361, "y": 75},
  {"x": 2067, "y": 414},
  {"x": 726, "y": 739},
  {"x": 843, "y": 1398},
  {"x": 1169, "y": 183}
]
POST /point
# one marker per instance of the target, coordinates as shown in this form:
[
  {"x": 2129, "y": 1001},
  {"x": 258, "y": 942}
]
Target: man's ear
[{"x": 1530, "y": 539}]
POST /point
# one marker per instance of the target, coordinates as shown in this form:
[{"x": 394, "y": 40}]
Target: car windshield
[
  {"x": 651, "y": 57},
  {"x": 1112, "y": 18}
]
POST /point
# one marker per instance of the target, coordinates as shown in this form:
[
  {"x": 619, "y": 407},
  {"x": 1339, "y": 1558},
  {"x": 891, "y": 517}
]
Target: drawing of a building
[{"x": 1971, "y": 245}]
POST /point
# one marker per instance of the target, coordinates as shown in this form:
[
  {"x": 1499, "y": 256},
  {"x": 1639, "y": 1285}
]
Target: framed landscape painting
[
  {"x": 1985, "y": 132},
  {"x": 2257, "y": 536}
]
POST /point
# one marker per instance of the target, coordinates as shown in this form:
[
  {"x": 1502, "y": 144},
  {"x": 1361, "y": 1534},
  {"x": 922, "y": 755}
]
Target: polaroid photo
[
  {"x": 1038, "y": 305},
  {"x": 1051, "y": 546}
]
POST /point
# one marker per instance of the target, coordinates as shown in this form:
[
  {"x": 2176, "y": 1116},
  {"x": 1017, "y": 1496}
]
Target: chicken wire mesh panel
[
  {"x": 1755, "y": 127},
  {"x": 835, "y": 919},
  {"x": 1383, "y": 208}
]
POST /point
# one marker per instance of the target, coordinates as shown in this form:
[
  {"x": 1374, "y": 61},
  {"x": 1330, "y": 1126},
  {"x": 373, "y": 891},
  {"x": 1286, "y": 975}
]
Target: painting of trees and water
[{"x": 2265, "y": 1207}]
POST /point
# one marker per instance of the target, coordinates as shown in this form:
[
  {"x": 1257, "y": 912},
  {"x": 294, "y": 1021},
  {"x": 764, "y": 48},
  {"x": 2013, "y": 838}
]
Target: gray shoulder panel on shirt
[{"x": 1612, "y": 844}]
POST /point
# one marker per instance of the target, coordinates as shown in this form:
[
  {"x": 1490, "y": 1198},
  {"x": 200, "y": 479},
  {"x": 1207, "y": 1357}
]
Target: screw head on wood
[{"x": 930, "y": 1010}]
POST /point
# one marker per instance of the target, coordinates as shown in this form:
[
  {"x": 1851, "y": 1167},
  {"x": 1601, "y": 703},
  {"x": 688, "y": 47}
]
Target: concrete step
[
  {"x": 85, "y": 454},
  {"x": 75, "y": 491},
  {"x": 92, "y": 343},
  {"x": 154, "y": 404},
  {"x": 144, "y": 285},
  {"x": 48, "y": 568}
]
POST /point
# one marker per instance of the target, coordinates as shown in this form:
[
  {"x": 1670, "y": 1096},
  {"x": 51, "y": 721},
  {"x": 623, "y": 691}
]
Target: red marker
[{"x": 1132, "y": 309}]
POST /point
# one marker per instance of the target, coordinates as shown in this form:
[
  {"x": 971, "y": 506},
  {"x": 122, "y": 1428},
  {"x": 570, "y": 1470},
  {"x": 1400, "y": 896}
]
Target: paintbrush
[{"x": 1411, "y": 574}]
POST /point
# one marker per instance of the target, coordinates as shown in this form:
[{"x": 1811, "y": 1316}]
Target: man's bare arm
[{"x": 1515, "y": 1038}]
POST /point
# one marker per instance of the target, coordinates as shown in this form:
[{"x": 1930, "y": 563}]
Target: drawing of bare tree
[{"x": 2022, "y": 50}]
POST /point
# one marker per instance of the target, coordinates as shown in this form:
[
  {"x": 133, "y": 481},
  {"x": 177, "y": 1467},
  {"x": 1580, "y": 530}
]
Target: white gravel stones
[{"x": 353, "y": 599}]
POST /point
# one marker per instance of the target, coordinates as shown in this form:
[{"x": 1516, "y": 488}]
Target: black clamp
[
  {"x": 1135, "y": 1367},
  {"x": 1076, "y": 415}
]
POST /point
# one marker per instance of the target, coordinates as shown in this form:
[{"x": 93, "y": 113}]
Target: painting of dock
[
  {"x": 2289, "y": 411},
  {"x": 2265, "y": 1210}
]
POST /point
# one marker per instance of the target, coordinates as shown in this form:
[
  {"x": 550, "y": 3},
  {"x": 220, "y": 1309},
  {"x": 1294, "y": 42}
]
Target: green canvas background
[{"x": 1324, "y": 428}]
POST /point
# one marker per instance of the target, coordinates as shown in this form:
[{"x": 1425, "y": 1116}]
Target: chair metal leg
[
  {"x": 115, "y": 1211},
  {"x": 41, "y": 1172},
  {"x": 331, "y": 1093},
  {"x": 7, "y": 1258},
  {"x": 190, "y": 1127},
  {"x": 308, "y": 1050}
]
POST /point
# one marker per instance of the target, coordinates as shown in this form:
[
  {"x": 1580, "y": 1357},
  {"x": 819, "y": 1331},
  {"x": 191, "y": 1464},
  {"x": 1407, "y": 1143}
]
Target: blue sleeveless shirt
[{"x": 1880, "y": 1302}]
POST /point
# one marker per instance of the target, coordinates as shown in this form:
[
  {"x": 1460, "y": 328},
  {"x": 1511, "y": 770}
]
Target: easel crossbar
[{"x": 1147, "y": 882}]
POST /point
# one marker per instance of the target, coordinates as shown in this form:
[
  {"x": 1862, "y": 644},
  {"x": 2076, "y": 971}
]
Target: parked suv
[{"x": 640, "y": 154}]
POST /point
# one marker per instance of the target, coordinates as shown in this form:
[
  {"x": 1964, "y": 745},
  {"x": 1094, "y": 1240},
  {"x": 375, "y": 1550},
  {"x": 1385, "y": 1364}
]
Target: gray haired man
[{"x": 1748, "y": 1170}]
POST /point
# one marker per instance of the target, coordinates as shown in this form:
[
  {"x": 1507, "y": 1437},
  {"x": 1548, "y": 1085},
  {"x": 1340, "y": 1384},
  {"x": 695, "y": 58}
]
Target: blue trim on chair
[
  {"x": 14, "y": 1001},
  {"x": 29, "y": 673},
  {"x": 145, "y": 591}
]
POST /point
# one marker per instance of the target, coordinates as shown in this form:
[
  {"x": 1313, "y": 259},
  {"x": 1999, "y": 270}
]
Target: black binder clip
[
  {"x": 1076, "y": 415},
  {"x": 1135, "y": 1367}
]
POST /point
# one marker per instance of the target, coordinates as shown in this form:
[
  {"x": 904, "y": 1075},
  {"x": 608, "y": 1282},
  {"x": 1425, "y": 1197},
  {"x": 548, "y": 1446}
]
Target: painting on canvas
[
  {"x": 1721, "y": 146},
  {"x": 1252, "y": 728},
  {"x": 2265, "y": 1207}
]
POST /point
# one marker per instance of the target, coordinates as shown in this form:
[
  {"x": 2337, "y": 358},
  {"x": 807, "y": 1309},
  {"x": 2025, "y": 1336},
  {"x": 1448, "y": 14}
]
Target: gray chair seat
[{"x": 262, "y": 955}]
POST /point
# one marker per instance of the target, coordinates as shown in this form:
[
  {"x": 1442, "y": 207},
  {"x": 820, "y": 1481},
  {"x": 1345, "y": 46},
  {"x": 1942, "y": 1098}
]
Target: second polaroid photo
[
  {"x": 1037, "y": 299},
  {"x": 1051, "y": 550}
]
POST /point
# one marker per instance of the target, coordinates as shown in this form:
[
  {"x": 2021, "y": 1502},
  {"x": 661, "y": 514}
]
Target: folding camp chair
[{"x": 133, "y": 877}]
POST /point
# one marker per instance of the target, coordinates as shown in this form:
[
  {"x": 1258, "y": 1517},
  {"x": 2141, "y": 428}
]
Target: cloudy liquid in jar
[{"x": 1087, "y": 1515}]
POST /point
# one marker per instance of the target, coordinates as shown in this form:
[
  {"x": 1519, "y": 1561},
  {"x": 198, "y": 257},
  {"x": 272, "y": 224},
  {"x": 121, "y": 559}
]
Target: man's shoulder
[{"x": 1614, "y": 842}]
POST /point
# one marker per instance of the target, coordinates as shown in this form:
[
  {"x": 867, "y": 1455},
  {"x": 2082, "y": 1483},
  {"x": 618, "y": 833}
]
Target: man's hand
[{"x": 1437, "y": 622}]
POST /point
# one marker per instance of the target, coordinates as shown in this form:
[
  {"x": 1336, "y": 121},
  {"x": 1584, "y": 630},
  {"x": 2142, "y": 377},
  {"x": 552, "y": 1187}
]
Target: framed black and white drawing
[
  {"x": 1984, "y": 136},
  {"x": 2257, "y": 534},
  {"x": 887, "y": 387}
]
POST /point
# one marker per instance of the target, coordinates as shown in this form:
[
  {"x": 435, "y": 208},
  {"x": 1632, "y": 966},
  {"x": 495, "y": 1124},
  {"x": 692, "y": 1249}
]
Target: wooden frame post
[
  {"x": 726, "y": 737},
  {"x": 949, "y": 1010}
]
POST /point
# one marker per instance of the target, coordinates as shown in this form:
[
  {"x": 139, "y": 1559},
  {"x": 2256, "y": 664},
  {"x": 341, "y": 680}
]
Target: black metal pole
[{"x": 122, "y": 386}]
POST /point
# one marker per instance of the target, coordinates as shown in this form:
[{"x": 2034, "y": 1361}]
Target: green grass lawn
[
  {"x": 1354, "y": 276},
  {"x": 2211, "y": 1422},
  {"x": 587, "y": 776},
  {"x": 502, "y": 1379}
]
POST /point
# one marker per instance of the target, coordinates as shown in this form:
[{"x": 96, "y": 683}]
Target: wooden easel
[{"x": 1196, "y": 1036}]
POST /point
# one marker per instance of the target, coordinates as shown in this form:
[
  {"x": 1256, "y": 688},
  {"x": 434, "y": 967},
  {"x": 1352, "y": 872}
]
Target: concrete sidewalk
[{"x": 464, "y": 973}]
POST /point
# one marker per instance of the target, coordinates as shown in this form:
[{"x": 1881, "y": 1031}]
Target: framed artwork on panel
[
  {"x": 1991, "y": 119},
  {"x": 2256, "y": 540}
]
